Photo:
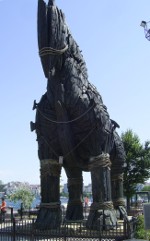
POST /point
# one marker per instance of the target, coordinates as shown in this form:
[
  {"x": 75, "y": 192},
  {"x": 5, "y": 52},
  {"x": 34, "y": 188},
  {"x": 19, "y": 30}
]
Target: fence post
[
  {"x": 32, "y": 231},
  {"x": 21, "y": 211},
  {"x": 125, "y": 228},
  {"x": 129, "y": 229},
  {"x": 11, "y": 214},
  {"x": 14, "y": 229}
]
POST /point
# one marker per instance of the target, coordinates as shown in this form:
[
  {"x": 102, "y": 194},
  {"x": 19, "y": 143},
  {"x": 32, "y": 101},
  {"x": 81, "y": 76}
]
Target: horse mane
[{"x": 54, "y": 36}]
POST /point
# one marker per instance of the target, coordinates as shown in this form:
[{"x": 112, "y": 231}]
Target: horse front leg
[
  {"x": 75, "y": 186},
  {"x": 50, "y": 215},
  {"x": 102, "y": 214}
]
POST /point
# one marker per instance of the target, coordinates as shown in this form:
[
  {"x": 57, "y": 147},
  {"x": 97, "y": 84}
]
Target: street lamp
[{"x": 144, "y": 24}]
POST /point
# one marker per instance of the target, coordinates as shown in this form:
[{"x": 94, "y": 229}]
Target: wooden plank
[{"x": 42, "y": 34}]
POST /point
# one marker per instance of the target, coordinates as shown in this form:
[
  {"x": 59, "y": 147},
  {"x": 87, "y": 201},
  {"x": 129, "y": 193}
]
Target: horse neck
[{"x": 74, "y": 53}]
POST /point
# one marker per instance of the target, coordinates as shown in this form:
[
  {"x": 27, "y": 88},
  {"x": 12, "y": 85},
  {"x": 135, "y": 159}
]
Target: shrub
[{"x": 141, "y": 233}]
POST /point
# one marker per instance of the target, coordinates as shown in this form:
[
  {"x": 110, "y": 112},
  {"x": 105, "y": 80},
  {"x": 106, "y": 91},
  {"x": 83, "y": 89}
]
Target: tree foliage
[
  {"x": 1, "y": 186},
  {"x": 146, "y": 188},
  {"x": 137, "y": 168},
  {"x": 24, "y": 195}
]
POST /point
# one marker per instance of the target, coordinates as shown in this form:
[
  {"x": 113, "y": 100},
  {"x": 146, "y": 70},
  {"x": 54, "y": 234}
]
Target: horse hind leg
[
  {"x": 102, "y": 214},
  {"x": 117, "y": 195},
  {"x": 118, "y": 163},
  {"x": 117, "y": 190},
  {"x": 75, "y": 186}
]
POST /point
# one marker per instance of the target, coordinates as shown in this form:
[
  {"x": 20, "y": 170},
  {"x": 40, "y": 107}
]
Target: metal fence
[{"x": 24, "y": 229}]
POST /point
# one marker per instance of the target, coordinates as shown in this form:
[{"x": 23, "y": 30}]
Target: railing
[{"x": 24, "y": 228}]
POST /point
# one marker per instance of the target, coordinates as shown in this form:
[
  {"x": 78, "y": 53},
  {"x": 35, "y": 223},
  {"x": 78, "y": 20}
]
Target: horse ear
[{"x": 51, "y": 3}]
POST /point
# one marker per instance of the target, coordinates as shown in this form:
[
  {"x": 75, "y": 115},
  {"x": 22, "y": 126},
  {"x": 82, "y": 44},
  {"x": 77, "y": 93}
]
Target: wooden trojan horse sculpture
[{"x": 74, "y": 131}]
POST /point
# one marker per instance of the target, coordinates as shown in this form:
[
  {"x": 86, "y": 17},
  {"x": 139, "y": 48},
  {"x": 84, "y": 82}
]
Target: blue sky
[{"x": 117, "y": 57}]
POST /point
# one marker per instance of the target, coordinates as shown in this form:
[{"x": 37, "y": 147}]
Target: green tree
[
  {"x": 1, "y": 186},
  {"x": 137, "y": 168},
  {"x": 146, "y": 188},
  {"x": 24, "y": 195}
]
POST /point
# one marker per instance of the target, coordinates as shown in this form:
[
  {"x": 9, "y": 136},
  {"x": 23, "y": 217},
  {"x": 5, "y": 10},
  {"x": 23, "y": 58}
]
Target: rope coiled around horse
[{"x": 51, "y": 51}]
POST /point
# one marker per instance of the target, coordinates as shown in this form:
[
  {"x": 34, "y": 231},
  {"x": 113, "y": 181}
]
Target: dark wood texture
[{"x": 72, "y": 121}]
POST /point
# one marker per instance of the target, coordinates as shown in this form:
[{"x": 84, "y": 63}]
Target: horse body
[{"x": 73, "y": 123}]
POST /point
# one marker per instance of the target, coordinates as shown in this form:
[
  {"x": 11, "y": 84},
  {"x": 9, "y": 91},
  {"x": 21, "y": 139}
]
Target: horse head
[{"x": 52, "y": 36}]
